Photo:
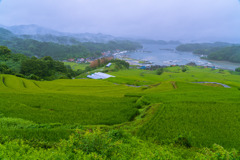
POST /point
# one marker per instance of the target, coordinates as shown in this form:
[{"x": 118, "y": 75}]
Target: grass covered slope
[{"x": 85, "y": 102}]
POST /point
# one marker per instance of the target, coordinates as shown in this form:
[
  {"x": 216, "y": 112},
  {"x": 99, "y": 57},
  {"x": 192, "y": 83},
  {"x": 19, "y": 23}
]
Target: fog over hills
[
  {"x": 184, "y": 20},
  {"x": 31, "y": 30},
  {"x": 45, "y": 34}
]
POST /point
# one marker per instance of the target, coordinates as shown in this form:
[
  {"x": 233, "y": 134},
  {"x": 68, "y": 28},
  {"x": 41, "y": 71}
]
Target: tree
[
  {"x": 4, "y": 50},
  {"x": 184, "y": 68},
  {"x": 120, "y": 64},
  {"x": 5, "y": 70},
  {"x": 237, "y": 69},
  {"x": 36, "y": 67},
  {"x": 159, "y": 71}
]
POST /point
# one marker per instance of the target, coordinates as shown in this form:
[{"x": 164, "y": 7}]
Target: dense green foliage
[
  {"x": 201, "y": 48},
  {"x": 5, "y": 70},
  {"x": 159, "y": 71},
  {"x": 215, "y": 51},
  {"x": 33, "y": 68},
  {"x": 120, "y": 64},
  {"x": 237, "y": 69},
  {"x": 65, "y": 40},
  {"x": 10, "y": 63},
  {"x": 45, "y": 68},
  {"x": 113, "y": 144},
  {"x": 231, "y": 54},
  {"x": 4, "y": 51}
]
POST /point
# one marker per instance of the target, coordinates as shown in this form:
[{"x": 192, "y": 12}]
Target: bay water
[{"x": 168, "y": 55}]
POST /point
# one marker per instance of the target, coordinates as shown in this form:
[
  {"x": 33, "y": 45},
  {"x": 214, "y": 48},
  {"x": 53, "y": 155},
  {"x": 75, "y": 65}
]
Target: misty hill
[
  {"x": 159, "y": 42},
  {"x": 31, "y": 30},
  {"x": 32, "y": 47},
  {"x": 71, "y": 39},
  {"x": 48, "y": 35},
  {"x": 43, "y": 34},
  {"x": 199, "y": 48},
  {"x": 220, "y": 51},
  {"x": 65, "y": 40},
  {"x": 6, "y": 34},
  {"x": 231, "y": 54}
]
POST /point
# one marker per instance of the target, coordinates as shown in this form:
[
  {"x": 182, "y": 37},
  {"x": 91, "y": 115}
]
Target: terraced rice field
[
  {"x": 203, "y": 114},
  {"x": 85, "y": 102}
]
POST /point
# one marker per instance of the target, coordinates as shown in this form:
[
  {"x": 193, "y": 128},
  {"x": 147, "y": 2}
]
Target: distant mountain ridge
[
  {"x": 43, "y": 34},
  {"x": 49, "y": 35},
  {"x": 60, "y": 47},
  {"x": 6, "y": 34},
  {"x": 158, "y": 42},
  {"x": 31, "y": 30}
]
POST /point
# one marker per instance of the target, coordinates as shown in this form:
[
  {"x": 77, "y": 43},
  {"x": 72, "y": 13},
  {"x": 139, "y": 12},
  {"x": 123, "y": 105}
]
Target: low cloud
[{"x": 172, "y": 19}]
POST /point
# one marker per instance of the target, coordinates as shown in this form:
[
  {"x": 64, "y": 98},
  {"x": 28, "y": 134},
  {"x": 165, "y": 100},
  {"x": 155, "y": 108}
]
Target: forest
[
  {"x": 215, "y": 51},
  {"x": 33, "y": 68}
]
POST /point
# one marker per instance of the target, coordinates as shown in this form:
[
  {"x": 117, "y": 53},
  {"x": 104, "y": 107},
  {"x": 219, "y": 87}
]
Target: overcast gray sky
[{"x": 156, "y": 19}]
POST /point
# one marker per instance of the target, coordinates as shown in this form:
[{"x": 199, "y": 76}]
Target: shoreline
[{"x": 183, "y": 59}]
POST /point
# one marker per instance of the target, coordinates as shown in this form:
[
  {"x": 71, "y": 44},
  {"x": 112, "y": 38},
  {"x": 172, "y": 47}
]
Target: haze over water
[{"x": 167, "y": 55}]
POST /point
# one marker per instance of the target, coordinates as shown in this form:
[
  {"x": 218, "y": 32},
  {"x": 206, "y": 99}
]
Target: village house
[
  {"x": 80, "y": 60},
  {"x": 71, "y": 60}
]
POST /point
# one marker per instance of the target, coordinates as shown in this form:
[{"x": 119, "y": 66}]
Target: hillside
[
  {"x": 231, "y": 54},
  {"x": 215, "y": 51},
  {"x": 49, "y": 35},
  {"x": 60, "y": 47},
  {"x": 154, "y": 116},
  {"x": 199, "y": 48},
  {"x": 6, "y": 34}
]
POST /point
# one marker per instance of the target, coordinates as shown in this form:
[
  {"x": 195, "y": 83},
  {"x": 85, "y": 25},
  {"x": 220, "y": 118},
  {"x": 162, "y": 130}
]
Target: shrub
[
  {"x": 5, "y": 70},
  {"x": 159, "y": 71},
  {"x": 184, "y": 68},
  {"x": 183, "y": 141},
  {"x": 32, "y": 76},
  {"x": 191, "y": 64}
]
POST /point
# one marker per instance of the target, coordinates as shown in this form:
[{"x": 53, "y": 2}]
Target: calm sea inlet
[{"x": 167, "y": 55}]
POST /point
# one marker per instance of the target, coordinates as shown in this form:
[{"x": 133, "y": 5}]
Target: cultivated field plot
[
  {"x": 76, "y": 66},
  {"x": 193, "y": 74},
  {"x": 204, "y": 115},
  {"x": 85, "y": 102}
]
